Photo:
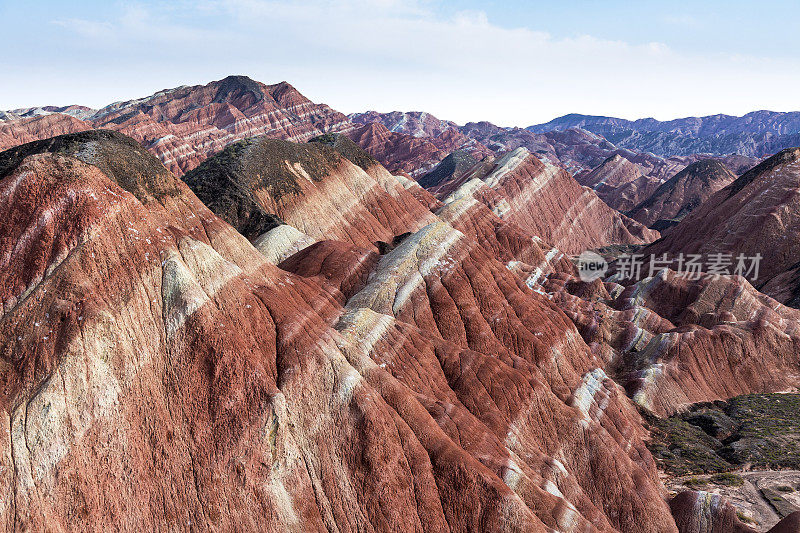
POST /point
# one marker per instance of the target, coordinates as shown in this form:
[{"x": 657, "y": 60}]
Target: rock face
[
  {"x": 183, "y": 126},
  {"x": 324, "y": 346},
  {"x": 684, "y": 192},
  {"x": 756, "y": 134},
  {"x": 702, "y": 512},
  {"x": 577, "y": 150},
  {"x": 312, "y": 187},
  {"x": 675, "y": 341},
  {"x": 751, "y": 215},
  {"x": 414, "y": 123},
  {"x": 161, "y": 370},
  {"x": 546, "y": 201},
  {"x": 77, "y": 111}
]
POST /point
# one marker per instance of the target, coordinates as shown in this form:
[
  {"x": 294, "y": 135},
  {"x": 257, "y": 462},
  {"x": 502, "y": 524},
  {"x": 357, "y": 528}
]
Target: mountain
[
  {"x": 577, "y": 150},
  {"x": 757, "y": 134},
  {"x": 77, "y": 111},
  {"x": 413, "y": 155},
  {"x": 452, "y": 167},
  {"x": 22, "y": 130},
  {"x": 184, "y": 125},
  {"x": 328, "y": 346},
  {"x": 147, "y": 334},
  {"x": 414, "y": 123},
  {"x": 312, "y": 187},
  {"x": 684, "y": 192},
  {"x": 546, "y": 200},
  {"x": 620, "y": 183},
  {"x": 752, "y": 215},
  {"x": 293, "y": 337}
]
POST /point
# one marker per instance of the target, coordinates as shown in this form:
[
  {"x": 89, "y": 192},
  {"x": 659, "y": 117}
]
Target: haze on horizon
[{"x": 513, "y": 62}]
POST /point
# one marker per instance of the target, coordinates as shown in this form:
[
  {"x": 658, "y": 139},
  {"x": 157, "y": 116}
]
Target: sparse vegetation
[
  {"x": 728, "y": 479},
  {"x": 762, "y": 430},
  {"x": 228, "y": 181},
  {"x": 696, "y": 482},
  {"x": 346, "y": 147},
  {"x": 745, "y": 519},
  {"x": 118, "y": 156}
]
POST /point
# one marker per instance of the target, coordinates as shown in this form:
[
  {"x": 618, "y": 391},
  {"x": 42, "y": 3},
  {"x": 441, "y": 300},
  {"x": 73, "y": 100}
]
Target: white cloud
[
  {"x": 87, "y": 28},
  {"x": 391, "y": 54}
]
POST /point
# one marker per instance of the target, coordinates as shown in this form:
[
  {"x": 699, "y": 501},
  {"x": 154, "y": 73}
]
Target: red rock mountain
[
  {"x": 415, "y": 156},
  {"x": 144, "y": 337},
  {"x": 77, "y": 111},
  {"x": 577, "y": 150},
  {"x": 183, "y": 126},
  {"x": 414, "y": 123},
  {"x": 683, "y": 192},
  {"x": 23, "y": 130},
  {"x": 293, "y": 338},
  {"x": 545, "y": 200},
  {"x": 326, "y": 346},
  {"x": 754, "y": 214},
  {"x": 620, "y": 183}
]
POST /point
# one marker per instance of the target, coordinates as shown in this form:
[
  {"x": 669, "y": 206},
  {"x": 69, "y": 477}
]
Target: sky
[{"x": 511, "y": 62}]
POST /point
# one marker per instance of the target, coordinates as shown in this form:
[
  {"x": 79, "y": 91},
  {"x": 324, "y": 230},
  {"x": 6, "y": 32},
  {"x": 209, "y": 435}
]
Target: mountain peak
[
  {"x": 789, "y": 155},
  {"x": 232, "y": 87},
  {"x": 118, "y": 156}
]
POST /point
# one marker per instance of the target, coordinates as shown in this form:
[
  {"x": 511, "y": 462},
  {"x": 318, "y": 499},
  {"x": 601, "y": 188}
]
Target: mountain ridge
[{"x": 755, "y": 134}]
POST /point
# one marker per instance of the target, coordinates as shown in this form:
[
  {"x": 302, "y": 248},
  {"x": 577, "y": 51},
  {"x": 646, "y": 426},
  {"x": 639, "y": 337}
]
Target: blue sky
[{"x": 511, "y": 62}]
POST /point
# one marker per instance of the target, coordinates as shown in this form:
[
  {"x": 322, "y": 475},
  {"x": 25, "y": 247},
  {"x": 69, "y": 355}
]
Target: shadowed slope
[{"x": 684, "y": 192}]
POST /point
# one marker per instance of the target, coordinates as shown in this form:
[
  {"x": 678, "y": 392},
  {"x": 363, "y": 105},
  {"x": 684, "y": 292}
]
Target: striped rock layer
[
  {"x": 753, "y": 215},
  {"x": 358, "y": 356},
  {"x": 545, "y": 200},
  {"x": 183, "y": 126},
  {"x": 672, "y": 342}
]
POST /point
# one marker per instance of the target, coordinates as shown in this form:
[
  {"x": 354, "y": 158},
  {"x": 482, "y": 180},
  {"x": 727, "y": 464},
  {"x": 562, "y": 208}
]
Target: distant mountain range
[
  {"x": 186, "y": 124},
  {"x": 757, "y": 134}
]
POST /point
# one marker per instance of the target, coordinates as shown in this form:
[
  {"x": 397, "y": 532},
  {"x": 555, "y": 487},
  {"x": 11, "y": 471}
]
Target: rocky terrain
[
  {"x": 544, "y": 199},
  {"x": 21, "y": 130},
  {"x": 221, "y": 331},
  {"x": 184, "y": 125},
  {"x": 146, "y": 338},
  {"x": 576, "y": 149},
  {"x": 451, "y": 168},
  {"x": 411, "y": 155},
  {"x": 746, "y": 449},
  {"x": 621, "y": 183},
  {"x": 625, "y": 177}
]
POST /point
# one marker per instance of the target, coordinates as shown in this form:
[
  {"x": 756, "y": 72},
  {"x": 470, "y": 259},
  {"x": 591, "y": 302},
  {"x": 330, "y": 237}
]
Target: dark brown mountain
[{"x": 684, "y": 192}]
